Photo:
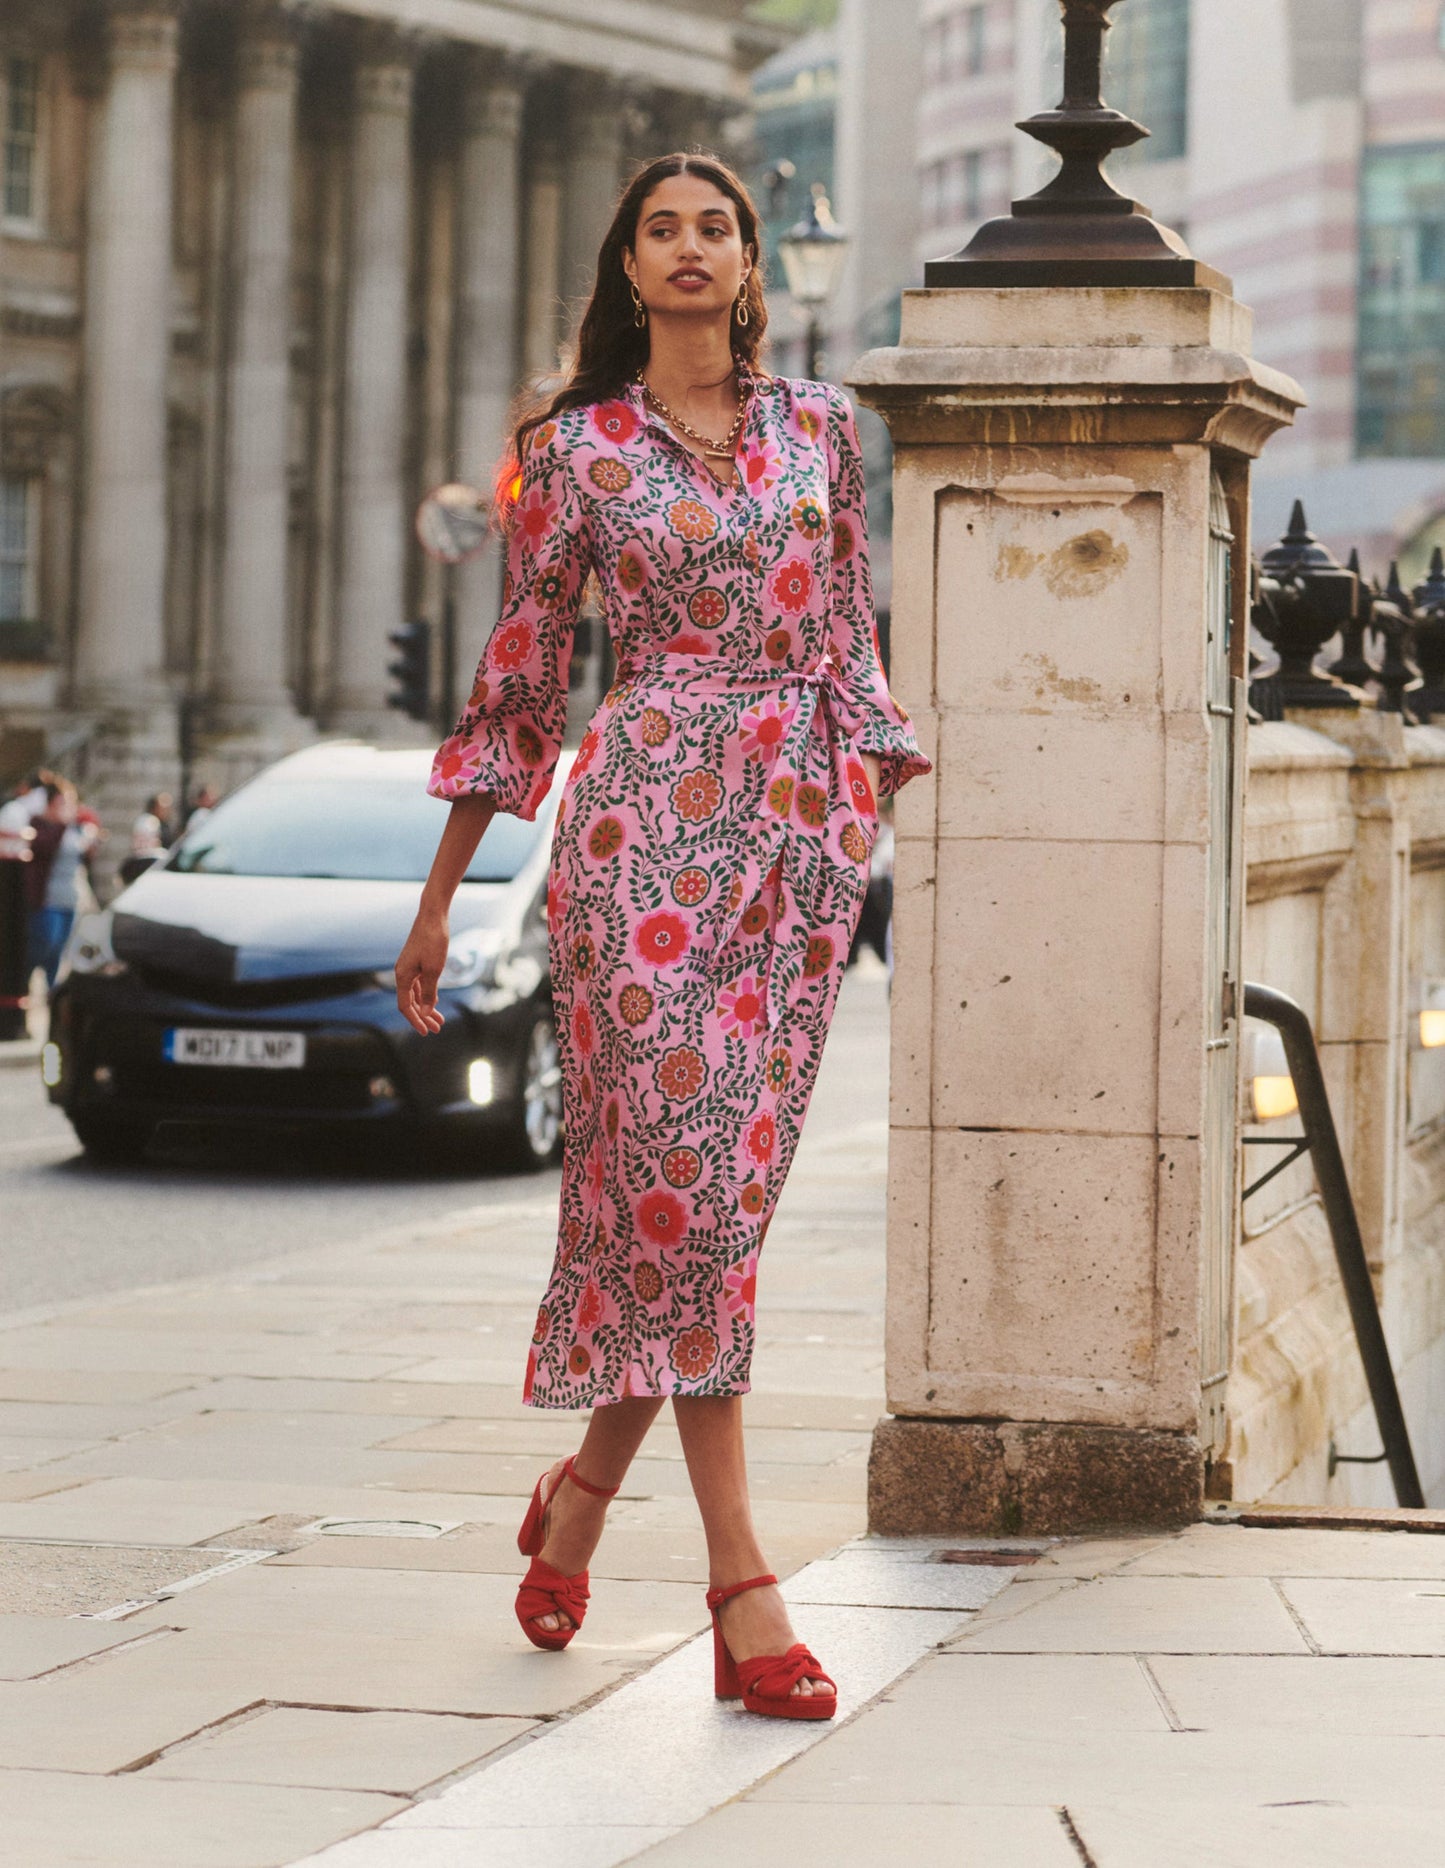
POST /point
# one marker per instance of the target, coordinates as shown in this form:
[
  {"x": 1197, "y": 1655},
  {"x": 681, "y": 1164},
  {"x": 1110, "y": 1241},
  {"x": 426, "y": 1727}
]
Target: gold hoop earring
[
  {"x": 741, "y": 306},
  {"x": 639, "y": 314}
]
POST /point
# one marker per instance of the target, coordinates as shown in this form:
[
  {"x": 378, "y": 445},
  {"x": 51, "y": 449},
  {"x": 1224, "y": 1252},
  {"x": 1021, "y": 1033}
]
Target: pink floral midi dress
[{"x": 710, "y": 856}]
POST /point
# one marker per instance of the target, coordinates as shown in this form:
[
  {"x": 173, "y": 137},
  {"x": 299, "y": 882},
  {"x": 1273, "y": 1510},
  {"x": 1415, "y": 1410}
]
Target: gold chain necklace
[{"x": 725, "y": 449}]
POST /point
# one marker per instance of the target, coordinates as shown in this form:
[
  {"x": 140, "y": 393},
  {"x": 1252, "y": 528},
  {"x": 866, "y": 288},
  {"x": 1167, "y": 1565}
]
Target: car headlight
[
  {"x": 471, "y": 959},
  {"x": 89, "y": 948}
]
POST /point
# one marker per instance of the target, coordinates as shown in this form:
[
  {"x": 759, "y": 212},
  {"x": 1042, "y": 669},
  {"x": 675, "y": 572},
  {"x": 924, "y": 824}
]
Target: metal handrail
[{"x": 1320, "y": 1137}]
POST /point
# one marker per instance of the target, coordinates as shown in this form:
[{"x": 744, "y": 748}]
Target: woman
[{"x": 709, "y": 862}]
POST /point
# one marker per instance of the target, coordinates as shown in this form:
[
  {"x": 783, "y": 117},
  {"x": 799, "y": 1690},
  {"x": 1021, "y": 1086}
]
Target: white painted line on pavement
[{"x": 596, "y": 1789}]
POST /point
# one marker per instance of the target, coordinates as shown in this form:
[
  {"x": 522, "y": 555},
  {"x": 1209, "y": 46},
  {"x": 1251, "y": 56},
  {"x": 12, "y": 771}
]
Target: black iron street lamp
[{"x": 812, "y": 251}]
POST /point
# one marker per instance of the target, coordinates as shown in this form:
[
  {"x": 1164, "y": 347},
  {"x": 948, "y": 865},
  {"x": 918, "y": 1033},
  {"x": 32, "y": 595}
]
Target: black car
[{"x": 246, "y": 979}]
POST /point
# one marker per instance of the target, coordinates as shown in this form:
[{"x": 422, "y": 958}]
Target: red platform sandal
[
  {"x": 765, "y": 1683},
  {"x": 544, "y": 1590}
]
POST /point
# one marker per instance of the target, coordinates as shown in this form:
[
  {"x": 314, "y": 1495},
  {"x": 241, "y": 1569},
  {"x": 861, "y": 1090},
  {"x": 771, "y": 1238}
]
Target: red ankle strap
[
  {"x": 715, "y": 1597},
  {"x": 597, "y": 1491}
]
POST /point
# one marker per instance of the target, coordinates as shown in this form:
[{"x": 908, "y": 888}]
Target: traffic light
[{"x": 411, "y": 670}]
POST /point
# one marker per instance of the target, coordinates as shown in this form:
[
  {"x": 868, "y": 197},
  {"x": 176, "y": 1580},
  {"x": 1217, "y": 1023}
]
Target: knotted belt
[{"x": 804, "y": 754}]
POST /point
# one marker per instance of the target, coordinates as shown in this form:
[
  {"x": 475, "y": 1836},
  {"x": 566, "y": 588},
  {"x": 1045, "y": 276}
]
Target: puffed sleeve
[
  {"x": 510, "y": 731},
  {"x": 853, "y": 625}
]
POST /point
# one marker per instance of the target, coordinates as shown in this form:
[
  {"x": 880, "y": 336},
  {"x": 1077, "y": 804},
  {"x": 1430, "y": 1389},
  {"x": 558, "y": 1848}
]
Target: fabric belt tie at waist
[{"x": 822, "y": 696}]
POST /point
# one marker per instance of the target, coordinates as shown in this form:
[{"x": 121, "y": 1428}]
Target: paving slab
[
  {"x": 560, "y": 1845},
  {"x": 1145, "y": 1614},
  {"x": 472, "y": 1609},
  {"x": 59, "y": 1346},
  {"x": 1032, "y": 1694},
  {"x": 1228, "y": 1835},
  {"x": 495, "y": 1402},
  {"x": 890, "y": 1756},
  {"x": 31, "y": 1645},
  {"x": 869, "y": 1577},
  {"x": 1346, "y": 1615},
  {"x": 848, "y": 1835},
  {"x": 1238, "y": 1550},
  {"x": 16, "y": 1487},
  {"x": 53, "y": 1817},
  {"x": 396, "y": 1752},
  {"x": 1219, "y": 1692},
  {"x": 105, "y": 1387}
]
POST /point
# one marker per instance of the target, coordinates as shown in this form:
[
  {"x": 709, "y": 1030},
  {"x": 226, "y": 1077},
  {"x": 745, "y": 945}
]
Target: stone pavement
[
  {"x": 257, "y": 1536},
  {"x": 217, "y": 1649}
]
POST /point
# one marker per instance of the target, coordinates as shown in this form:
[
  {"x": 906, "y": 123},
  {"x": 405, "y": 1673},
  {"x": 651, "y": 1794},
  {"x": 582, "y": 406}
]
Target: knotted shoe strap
[
  {"x": 546, "y": 1591},
  {"x": 773, "y": 1676}
]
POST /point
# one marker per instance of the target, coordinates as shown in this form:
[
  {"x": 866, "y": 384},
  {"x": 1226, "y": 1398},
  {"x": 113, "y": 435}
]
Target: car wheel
[
  {"x": 533, "y": 1134},
  {"x": 105, "y": 1139}
]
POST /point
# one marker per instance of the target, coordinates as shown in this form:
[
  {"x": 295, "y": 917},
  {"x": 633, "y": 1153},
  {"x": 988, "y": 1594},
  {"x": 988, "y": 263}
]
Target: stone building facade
[{"x": 268, "y": 271}]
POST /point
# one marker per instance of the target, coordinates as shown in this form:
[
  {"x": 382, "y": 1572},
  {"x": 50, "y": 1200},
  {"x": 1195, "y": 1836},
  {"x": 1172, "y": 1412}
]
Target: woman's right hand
[{"x": 418, "y": 968}]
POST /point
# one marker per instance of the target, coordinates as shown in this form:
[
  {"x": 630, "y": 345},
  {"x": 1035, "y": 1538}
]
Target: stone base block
[{"x": 1029, "y": 1478}]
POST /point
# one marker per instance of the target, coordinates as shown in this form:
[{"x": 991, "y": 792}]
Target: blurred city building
[
  {"x": 1300, "y": 147},
  {"x": 269, "y": 271}
]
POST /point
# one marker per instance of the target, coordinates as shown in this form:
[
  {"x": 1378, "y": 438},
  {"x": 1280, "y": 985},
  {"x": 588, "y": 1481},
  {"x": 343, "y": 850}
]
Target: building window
[
  {"x": 955, "y": 45},
  {"x": 1146, "y": 74},
  {"x": 951, "y": 191},
  {"x": 1400, "y": 405},
  {"x": 18, "y": 506},
  {"x": 21, "y": 115}
]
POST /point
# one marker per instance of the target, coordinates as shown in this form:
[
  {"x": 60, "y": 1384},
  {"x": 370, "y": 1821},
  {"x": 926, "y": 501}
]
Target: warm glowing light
[
  {"x": 514, "y": 489},
  {"x": 1432, "y": 1028},
  {"x": 479, "y": 1080},
  {"x": 1273, "y": 1097},
  {"x": 50, "y": 1065}
]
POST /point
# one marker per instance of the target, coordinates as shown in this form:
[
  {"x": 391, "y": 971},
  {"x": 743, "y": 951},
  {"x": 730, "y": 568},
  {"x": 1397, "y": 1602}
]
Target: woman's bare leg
[
  {"x": 575, "y": 1518},
  {"x": 711, "y": 1430}
]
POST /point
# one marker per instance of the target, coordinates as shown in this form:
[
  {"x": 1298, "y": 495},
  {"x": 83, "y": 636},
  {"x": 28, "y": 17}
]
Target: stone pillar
[
  {"x": 488, "y": 244},
  {"x": 252, "y": 690},
  {"x": 120, "y": 664},
  {"x": 593, "y": 166},
  {"x": 1053, "y": 1178},
  {"x": 374, "y": 521},
  {"x": 541, "y": 324}
]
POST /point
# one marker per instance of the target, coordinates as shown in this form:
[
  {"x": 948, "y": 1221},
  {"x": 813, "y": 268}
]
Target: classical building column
[
  {"x": 542, "y": 260},
  {"x": 593, "y": 167},
  {"x": 488, "y": 252},
  {"x": 120, "y": 663},
  {"x": 251, "y": 658},
  {"x": 374, "y": 521}
]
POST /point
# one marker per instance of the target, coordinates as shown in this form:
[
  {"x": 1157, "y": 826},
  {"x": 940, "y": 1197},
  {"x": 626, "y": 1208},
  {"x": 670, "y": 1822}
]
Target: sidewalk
[
  {"x": 197, "y": 1672},
  {"x": 257, "y": 1537}
]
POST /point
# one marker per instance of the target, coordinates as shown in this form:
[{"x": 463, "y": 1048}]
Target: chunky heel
[
  {"x": 545, "y": 1590},
  {"x": 765, "y": 1682},
  {"x": 725, "y": 1682}
]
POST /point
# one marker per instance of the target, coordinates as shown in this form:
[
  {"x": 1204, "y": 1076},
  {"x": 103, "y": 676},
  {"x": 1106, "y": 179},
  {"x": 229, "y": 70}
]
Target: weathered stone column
[
  {"x": 1064, "y": 458},
  {"x": 489, "y": 282},
  {"x": 120, "y": 665},
  {"x": 593, "y": 167},
  {"x": 253, "y": 693},
  {"x": 374, "y": 521},
  {"x": 541, "y": 324}
]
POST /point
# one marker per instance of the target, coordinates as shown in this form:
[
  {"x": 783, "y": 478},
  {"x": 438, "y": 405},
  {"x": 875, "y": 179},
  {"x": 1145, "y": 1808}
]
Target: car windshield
[{"x": 359, "y": 830}]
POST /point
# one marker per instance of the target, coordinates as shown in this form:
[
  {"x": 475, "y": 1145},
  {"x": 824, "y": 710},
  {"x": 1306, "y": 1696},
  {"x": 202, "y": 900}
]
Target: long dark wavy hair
[{"x": 610, "y": 347}]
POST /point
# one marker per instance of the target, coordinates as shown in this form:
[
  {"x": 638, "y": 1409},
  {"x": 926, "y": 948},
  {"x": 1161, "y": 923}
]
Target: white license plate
[{"x": 237, "y": 1050}]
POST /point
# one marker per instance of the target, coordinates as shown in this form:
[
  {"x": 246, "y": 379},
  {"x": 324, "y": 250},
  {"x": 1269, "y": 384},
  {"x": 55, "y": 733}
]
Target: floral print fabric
[{"x": 710, "y": 856}]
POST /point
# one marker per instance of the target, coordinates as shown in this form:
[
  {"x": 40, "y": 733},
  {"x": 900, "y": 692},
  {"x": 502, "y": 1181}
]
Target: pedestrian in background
[
  {"x": 153, "y": 831},
  {"x": 708, "y": 866},
  {"x": 54, "y": 876}
]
